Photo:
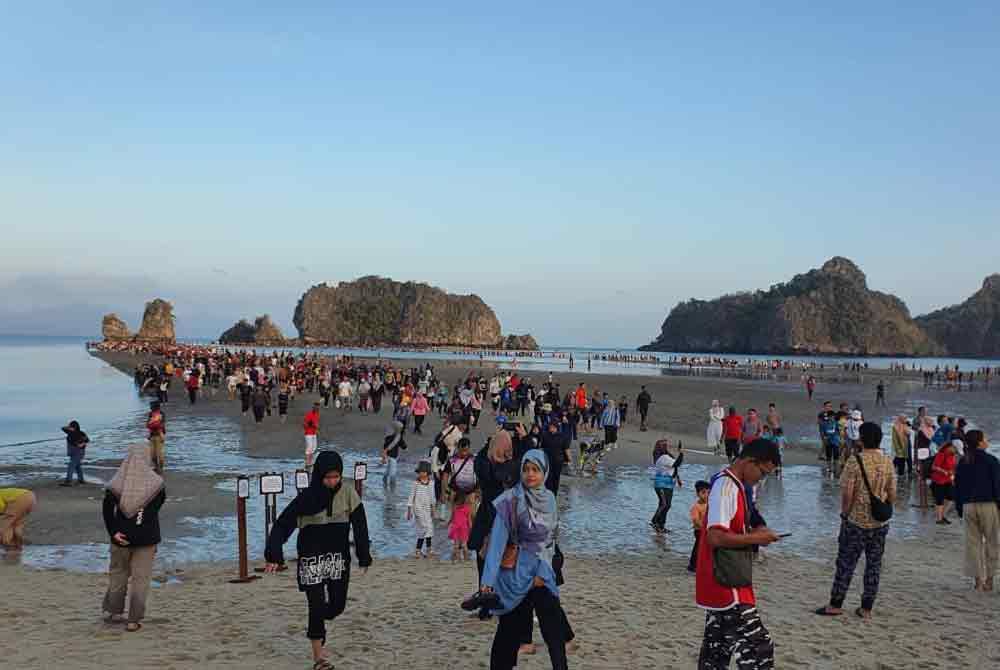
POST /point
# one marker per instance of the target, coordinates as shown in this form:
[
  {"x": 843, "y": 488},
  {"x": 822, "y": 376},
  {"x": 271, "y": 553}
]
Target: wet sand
[
  {"x": 629, "y": 612},
  {"x": 73, "y": 515}
]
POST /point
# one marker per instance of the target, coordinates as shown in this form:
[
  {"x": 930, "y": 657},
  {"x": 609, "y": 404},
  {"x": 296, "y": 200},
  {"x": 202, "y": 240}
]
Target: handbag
[
  {"x": 881, "y": 510},
  {"x": 733, "y": 567},
  {"x": 509, "y": 559}
]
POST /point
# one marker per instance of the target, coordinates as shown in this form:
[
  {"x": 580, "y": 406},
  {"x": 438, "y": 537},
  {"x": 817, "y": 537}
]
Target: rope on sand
[{"x": 24, "y": 444}]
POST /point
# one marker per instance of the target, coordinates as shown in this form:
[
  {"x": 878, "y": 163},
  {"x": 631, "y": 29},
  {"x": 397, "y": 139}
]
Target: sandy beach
[
  {"x": 630, "y": 609},
  {"x": 629, "y": 612}
]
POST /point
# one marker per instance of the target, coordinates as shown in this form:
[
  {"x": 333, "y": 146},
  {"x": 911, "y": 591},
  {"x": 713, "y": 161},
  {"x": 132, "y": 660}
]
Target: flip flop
[
  {"x": 133, "y": 627},
  {"x": 822, "y": 611}
]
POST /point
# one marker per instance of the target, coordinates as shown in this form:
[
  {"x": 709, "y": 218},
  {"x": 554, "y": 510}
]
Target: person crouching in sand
[
  {"x": 15, "y": 506},
  {"x": 323, "y": 513}
]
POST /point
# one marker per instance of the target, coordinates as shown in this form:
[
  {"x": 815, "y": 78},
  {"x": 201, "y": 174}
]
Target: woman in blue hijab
[{"x": 526, "y": 517}]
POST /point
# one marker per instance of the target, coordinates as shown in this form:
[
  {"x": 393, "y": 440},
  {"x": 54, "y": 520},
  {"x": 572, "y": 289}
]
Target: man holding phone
[{"x": 732, "y": 623}]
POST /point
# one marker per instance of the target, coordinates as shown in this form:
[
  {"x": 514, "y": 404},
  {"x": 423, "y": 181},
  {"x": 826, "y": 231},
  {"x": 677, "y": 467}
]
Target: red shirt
[
  {"x": 155, "y": 424},
  {"x": 727, "y": 510},
  {"x": 946, "y": 461},
  {"x": 310, "y": 424},
  {"x": 732, "y": 427}
]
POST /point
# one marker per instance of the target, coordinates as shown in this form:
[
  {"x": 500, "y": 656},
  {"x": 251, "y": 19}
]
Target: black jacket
[
  {"x": 493, "y": 480},
  {"x": 977, "y": 482},
  {"x": 322, "y": 532},
  {"x": 138, "y": 534}
]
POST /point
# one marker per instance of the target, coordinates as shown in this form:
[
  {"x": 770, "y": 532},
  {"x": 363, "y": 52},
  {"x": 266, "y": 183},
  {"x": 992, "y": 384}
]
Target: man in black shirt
[{"x": 642, "y": 403}]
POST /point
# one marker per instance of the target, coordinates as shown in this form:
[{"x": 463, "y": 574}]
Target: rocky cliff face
[
  {"x": 113, "y": 328},
  {"x": 262, "y": 331},
  {"x": 376, "y": 310},
  {"x": 520, "y": 343},
  {"x": 971, "y": 328},
  {"x": 826, "y": 311},
  {"x": 157, "y": 322}
]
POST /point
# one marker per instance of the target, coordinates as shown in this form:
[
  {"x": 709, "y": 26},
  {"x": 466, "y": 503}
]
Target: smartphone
[
  {"x": 511, "y": 426},
  {"x": 784, "y": 534}
]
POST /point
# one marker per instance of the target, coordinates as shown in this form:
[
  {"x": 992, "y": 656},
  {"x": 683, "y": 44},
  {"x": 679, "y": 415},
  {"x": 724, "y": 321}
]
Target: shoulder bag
[
  {"x": 881, "y": 510},
  {"x": 733, "y": 566},
  {"x": 509, "y": 559}
]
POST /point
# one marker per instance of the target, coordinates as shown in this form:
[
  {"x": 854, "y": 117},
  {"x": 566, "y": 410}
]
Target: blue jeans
[
  {"x": 75, "y": 464},
  {"x": 391, "y": 468}
]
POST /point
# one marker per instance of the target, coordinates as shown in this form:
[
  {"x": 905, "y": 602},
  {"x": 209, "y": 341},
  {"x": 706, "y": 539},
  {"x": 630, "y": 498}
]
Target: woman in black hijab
[{"x": 324, "y": 513}]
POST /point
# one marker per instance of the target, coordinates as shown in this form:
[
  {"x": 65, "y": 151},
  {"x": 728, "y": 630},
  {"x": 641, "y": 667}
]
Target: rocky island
[
  {"x": 262, "y": 332},
  {"x": 157, "y": 325},
  {"x": 373, "y": 311},
  {"x": 829, "y": 310},
  {"x": 971, "y": 328}
]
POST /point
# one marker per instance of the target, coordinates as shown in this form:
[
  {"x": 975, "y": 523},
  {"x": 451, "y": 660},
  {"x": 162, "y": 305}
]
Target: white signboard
[
  {"x": 360, "y": 472},
  {"x": 301, "y": 479},
  {"x": 271, "y": 483},
  {"x": 243, "y": 487}
]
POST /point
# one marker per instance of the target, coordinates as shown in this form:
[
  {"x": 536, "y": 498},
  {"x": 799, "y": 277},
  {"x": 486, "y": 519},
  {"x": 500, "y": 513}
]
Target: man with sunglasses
[{"x": 732, "y": 623}]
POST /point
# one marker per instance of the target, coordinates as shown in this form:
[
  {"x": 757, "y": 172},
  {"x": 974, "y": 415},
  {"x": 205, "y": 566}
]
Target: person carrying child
[
  {"x": 420, "y": 508},
  {"x": 323, "y": 513}
]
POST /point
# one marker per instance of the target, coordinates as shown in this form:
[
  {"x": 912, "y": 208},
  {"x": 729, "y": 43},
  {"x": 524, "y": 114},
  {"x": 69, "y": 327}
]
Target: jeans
[
  {"x": 75, "y": 464},
  {"x": 665, "y": 496},
  {"x": 391, "y": 468}
]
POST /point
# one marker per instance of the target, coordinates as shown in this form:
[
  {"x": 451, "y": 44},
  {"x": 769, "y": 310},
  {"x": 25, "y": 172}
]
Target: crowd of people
[{"x": 500, "y": 501}]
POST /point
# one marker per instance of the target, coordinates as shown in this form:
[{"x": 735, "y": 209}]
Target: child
[
  {"x": 420, "y": 508},
  {"x": 698, "y": 511},
  {"x": 323, "y": 513},
  {"x": 459, "y": 526},
  {"x": 779, "y": 439}
]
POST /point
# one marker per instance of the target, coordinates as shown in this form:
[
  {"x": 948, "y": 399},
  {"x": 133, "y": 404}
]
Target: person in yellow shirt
[{"x": 15, "y": 506}]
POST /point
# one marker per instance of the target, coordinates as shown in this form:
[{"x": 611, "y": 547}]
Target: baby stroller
[{"x": 592, "y": 452}]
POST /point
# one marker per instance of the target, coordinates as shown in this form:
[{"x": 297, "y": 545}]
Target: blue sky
[{"x": 581, "y": 166}]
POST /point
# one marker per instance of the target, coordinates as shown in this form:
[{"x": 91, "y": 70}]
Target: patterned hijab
[{"x": 135, "y": 484}]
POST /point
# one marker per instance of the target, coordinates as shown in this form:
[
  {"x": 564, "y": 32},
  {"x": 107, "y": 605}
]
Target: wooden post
[{"x": 241, "y": 519}]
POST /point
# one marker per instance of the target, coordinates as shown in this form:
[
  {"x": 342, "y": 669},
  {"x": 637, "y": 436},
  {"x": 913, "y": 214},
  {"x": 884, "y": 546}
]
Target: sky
[{"x": 582, "y": 167}]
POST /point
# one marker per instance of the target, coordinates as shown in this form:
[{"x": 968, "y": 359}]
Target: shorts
[
  {"x": 942, "y": 492},
  {"x": 310, "y": 444}
]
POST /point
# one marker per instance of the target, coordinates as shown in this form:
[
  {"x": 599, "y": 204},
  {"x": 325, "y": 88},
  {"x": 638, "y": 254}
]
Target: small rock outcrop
[
  {"x": 114, "y": 329},
  {"x": 519, "y": 343},
  {"x": 157, "y": 322},
  {"x": 262, "y": 331},
  {"x": 971, "y": 328},
  {"x": 379, "y": 311},
  {"x": 826, "y": 311}
]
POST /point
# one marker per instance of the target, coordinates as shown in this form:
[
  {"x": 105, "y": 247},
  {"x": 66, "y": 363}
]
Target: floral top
[{"x": 881, "y": 476}]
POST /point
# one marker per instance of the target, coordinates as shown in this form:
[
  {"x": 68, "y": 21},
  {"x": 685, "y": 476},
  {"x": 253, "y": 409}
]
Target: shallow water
[{"x": 47, "y": 384}]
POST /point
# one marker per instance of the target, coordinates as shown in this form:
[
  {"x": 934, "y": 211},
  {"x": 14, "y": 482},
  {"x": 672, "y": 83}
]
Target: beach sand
[{"x": 628, "y": 612}]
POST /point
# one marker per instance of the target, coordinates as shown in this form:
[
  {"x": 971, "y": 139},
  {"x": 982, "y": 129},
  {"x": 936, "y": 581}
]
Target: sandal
[
  {"x": 133, "y": 626},
  {"x": 323, "y": 664},
  {"x": 825, "y": 611}
]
